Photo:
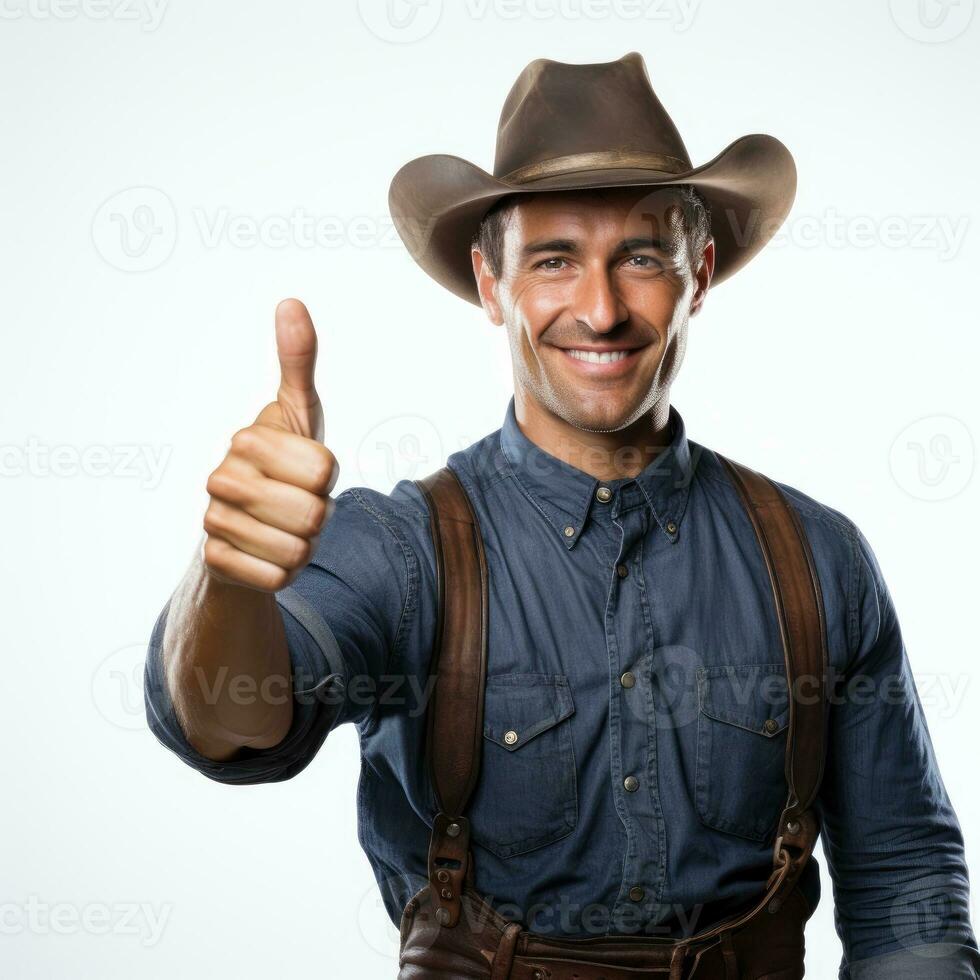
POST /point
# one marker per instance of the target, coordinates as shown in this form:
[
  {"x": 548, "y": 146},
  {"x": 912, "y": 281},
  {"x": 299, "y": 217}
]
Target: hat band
[{"x": 600, "y": 160}]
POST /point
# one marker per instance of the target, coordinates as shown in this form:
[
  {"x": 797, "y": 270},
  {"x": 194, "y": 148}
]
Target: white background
[{"x": 138, "y": 335}]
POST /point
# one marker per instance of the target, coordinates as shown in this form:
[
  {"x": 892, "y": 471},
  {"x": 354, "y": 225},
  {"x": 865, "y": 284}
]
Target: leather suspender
[{"x": 454, "y": 724}]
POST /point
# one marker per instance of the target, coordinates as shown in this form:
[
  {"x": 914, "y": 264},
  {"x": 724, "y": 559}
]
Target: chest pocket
[
  {"x": 743, "y": 714},
  {"x": 527, "y": 793}
]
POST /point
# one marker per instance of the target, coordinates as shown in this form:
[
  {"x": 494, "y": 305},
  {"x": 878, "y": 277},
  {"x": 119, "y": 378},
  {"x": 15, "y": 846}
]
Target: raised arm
[{"x": 224, "y": 652}]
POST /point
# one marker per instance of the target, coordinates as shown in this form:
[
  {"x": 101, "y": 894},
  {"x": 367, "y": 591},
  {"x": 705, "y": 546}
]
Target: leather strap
[
  {"x": 802, "y": 627},
  {"x": 454, "y": 727},
  {"x": 454, "y": 722}
]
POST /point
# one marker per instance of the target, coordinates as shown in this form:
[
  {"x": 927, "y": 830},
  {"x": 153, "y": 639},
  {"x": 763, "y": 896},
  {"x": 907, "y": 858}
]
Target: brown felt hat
[{"x": 569, "y": 127}]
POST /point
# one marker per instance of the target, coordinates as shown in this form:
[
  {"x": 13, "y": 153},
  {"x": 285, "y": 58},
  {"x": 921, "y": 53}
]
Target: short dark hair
[{"x": 695, "y": 223}]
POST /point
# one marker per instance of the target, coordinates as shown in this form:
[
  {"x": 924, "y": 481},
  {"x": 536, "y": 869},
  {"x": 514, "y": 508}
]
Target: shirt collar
[{"x": 565, "y": 494}]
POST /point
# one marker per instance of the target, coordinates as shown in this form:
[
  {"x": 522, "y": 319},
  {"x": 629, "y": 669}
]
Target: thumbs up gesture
[{"x": 270, "y": 495}]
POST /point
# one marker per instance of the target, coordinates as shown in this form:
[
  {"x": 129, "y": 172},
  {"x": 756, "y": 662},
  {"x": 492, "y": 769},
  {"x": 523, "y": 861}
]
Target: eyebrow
[{"x": 572, "y": 248}]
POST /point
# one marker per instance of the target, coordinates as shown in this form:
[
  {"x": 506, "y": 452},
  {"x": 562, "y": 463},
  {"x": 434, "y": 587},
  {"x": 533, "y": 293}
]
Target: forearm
[{"x": 226, "y": 664}]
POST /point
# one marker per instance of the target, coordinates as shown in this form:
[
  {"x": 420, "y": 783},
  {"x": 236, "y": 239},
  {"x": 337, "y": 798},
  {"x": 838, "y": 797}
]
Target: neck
[{"x": 604, "y": 455}]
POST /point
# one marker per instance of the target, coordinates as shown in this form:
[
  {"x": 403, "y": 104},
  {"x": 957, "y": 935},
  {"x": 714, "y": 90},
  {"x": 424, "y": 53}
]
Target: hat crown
[{"x": 555, "y": 109}]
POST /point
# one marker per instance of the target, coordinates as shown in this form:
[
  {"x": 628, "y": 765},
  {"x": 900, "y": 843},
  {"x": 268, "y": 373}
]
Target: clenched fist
[{"x": 270, "y": 495}]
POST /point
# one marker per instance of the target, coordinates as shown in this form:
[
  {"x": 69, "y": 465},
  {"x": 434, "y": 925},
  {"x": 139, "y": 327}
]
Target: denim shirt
[{"x": 635, "y": 708}]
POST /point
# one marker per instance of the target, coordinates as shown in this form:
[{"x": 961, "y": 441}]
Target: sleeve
[
  {"x": 345, "y": 615},
  {"x": 891, "y": 838}
]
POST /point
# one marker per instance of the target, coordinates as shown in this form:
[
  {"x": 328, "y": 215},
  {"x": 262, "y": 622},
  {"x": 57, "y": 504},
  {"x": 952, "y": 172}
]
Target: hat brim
[{"x": 437, "y": 202}]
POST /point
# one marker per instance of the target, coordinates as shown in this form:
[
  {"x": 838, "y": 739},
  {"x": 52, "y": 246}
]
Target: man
[{"x": 627, "y": 782}]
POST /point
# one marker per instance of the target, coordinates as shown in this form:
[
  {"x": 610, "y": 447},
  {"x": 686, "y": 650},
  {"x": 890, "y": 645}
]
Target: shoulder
[
  {"x": 845, "y": 561},
  {"x": 824, "y": 517}
]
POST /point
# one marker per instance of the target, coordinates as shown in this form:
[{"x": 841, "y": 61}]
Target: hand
[{"x": 270, "y": 495}]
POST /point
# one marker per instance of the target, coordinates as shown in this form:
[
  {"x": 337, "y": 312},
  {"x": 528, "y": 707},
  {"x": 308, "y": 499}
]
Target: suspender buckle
[{"x": 448, "y": 865}]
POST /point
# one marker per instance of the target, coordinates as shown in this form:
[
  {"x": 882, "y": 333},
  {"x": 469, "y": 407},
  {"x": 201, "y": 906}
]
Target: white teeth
[{"x": 594, "y": 357}]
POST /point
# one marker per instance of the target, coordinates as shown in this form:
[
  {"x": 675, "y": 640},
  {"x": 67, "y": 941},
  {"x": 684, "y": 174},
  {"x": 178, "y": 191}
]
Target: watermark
[
  {"x": 379, "y": 909},
  {"x": 143, "y": 921},
  {"x": 400, "y": 21},
  {"x": 120, "y": 680},
  {"x": 299, "y": 228},
  {"x": 679, "y": 14},
  {"x": 939, "y": 233},
  {"x": 34, "y": 458},
  {"x": 402, "y": 447},
  {"x": 933, "y": 458},
  {"x": 408, "y": 21},
  {"x": 147, "y": 13},
  {"x": 942, "y": 234},
  {"x": 930, "y": 916},
  {"x": 932, "y": 21},
  {"x": 757, "y": 696},
  {"x": 117, "y": 687},
  {"x": 135, "y": 230}
]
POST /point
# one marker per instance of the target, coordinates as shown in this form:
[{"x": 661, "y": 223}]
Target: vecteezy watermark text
[
  {"x": 148, "y": 13},
  {"x": 37, "y": 459}
]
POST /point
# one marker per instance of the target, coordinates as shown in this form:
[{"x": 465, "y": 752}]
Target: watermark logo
[
  {"x": 400, "y": 21},
  {"x": 136, "y": 229},
  {"x": 376, "y": 928},
  {"x": 117, "y": 688},
  {"x": 403, "y": 447},
  {"x": 932, "y": 458},
  {"x": 932, "y": 21}
]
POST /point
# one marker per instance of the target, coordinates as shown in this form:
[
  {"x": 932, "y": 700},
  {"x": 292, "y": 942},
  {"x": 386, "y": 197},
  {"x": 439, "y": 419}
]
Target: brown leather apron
[{"x": 449, "y": 932}]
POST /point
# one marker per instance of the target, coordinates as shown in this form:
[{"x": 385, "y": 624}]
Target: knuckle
[
  {"x": 299, "y": 553},
  {"x": 276, "y": 579},
  {"x": 315, "y": 516},
  {"x": 245, "y": 441},
  {"x": 212, "y": 519},
  {"x": 218, "y": 484},
  {"x": 323, "y": 467},
  {"x": 214, "y": 553}
]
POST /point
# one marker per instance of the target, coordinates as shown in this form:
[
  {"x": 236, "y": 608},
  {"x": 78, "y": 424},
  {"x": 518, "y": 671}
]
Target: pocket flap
[
  {"x": 516, "y": 707},
  {"x": 751, "y": 696}
]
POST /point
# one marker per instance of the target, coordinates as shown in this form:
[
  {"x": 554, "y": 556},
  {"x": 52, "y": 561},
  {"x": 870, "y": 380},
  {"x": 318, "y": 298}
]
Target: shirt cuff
[
  {"x": 931, "y": 961},
  {"x": 318, "y": 686}
]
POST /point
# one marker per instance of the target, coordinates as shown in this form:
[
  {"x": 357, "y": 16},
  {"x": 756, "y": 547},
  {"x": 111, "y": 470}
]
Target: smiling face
[{"x": 595, "y": 289}]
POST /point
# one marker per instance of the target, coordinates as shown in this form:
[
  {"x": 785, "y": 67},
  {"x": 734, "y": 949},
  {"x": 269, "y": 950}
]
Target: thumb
[{"x": 296, "y": 343}]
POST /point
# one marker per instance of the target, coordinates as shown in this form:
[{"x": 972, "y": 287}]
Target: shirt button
[
  {"x": 631, "y": 784},
  {"x": 771, "y": 726},
  {"x": 671, "y": 527},
  {"x": 603, "y": 495},
  {"x": 569, "y": 530},
  {"x": 510, "y": 737},
  {"x": 636, "y": 893},
  {"x": 622, "y": 570},
  {"x": 627, "y": 680}
]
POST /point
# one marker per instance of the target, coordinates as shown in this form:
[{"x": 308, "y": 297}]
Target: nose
[{"x": 596, "y": 302}]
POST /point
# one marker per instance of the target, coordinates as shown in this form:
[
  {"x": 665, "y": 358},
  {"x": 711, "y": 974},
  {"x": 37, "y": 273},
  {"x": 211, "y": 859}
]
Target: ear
[
  {"x": 702, "y": 277},
  {"x": 486, "y": 283}
]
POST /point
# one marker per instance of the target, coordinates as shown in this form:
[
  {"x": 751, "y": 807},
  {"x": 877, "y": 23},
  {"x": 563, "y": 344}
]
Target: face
[{"x": 595, "y": 290}]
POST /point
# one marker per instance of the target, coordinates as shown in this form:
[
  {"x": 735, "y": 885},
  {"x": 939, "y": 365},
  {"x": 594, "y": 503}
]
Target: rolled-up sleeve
[
  {"x": 891, "y": 838},
  {"x": 344, "y": 617}
]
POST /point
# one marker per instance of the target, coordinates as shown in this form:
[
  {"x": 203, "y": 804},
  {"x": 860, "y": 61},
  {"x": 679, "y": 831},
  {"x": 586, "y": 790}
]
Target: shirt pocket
[
  {"x": 527, "y": 793},
  {"x": 743, "y": 714}
]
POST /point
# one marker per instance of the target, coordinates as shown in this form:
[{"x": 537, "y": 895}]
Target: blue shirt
[{"x": 634, "y": 652}]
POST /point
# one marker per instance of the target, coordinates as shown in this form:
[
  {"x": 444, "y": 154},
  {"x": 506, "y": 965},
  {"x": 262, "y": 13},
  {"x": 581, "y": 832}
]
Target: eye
[
  {"x": 544, "y": 264},
  {"x": 643, "y": 262}
]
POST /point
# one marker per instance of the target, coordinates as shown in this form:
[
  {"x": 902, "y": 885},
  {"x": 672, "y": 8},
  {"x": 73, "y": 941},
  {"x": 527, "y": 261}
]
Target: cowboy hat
[{"x": 573, "y": 127}]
